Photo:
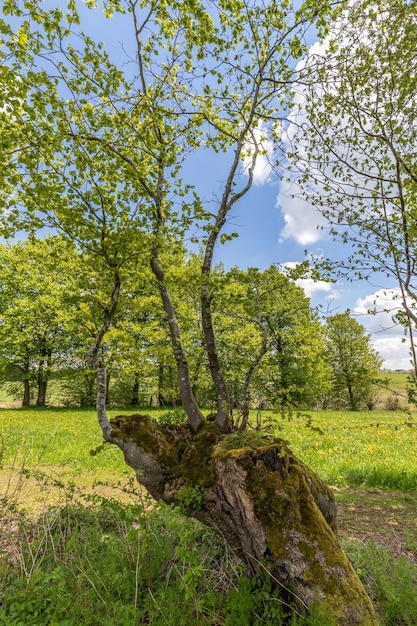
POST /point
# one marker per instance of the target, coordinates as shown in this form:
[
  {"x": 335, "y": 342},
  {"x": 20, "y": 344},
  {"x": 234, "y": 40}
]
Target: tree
[
  {"x": 355, "y": 364},
  {"x": 99, "y": 154},
  {"x": 357, "y": 138},
  {"x": 270, "y": 340},
  {"x": 39, "y": 294}
]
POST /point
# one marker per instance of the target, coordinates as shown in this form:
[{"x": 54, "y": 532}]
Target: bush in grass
[
  {"x": 393, "y": 403},
  {"x": 172, "y": 417}
]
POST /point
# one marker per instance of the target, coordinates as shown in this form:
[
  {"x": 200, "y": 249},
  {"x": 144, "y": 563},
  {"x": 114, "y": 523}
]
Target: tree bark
[
  {"x": 42, "y": 388},
  {"x": 134, "y": 399},
  {"x": 223, "y": 400},
  {"x": 26, "y": 392},
  {"x": 44, "y": 372},
  {"x": 267, "y": 505},
  {"x": 189, "y": 403}
]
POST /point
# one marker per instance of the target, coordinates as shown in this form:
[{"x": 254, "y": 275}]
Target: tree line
[{"x": 275, "y": 350}]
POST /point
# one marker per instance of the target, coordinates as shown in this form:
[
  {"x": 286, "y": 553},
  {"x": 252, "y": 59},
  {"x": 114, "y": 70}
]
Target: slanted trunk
[
  {"x": 267, "y": 505},
  {"x": 190, "y": 406},
  {"x": 223, "y": 400}
]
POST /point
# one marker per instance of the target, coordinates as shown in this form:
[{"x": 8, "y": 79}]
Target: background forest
[{"x": 275, "y": 350}]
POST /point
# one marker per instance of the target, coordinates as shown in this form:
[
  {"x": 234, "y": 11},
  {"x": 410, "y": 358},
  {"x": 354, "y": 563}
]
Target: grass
[
  {"x": 95, "y": 552},
  {"x": 114, "y": 565},
  {"x": 364, "y": 448},
  {"x": 391, "y": 582}
]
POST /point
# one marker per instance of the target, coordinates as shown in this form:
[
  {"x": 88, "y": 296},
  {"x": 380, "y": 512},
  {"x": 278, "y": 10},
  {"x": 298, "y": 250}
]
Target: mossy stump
[{"x": 267, "y": 505}]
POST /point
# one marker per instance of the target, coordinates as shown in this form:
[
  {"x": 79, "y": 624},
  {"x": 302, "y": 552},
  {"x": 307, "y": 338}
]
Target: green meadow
[
  {"x": 364, "y": 448},
  {"x": 80, "y": 543}
]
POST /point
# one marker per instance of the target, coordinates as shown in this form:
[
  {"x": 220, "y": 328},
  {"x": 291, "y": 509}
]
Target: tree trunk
[
  {"x": 26, "y": 381},
  {"x": 190, "y": 406},
  {"x": 26, "y": 392},
  {"x": 223, "y": 400},
  {"x": 88, "y": 388},
  {"x": 268, "y": 506},
  {"x": 42, "y": 388},
  {"x": 134, "y": 399},
  {"x": 44, "y": 373},
  {"x": 352, "y": 400}
]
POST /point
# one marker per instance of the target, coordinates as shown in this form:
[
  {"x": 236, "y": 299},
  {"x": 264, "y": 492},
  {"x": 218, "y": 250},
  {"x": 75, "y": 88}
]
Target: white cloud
[
  {"x": 312, "y": 287},
  {"x": 387, "y": 335},
  {"x": 263, "y": 167},
  {"x": 384, "y": 303},
  {"x": 302, "y": 221},
  {"x": 394, "y": 352}
]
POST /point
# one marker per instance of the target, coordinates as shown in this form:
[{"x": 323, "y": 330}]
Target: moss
[
  {"x": 264, "y": 466},
  {"x": 182, "y": 454},
  {"x": 197, "y": 463},
  {"x": 137, "y": 428},
  {"x": 285, "y": 496}
]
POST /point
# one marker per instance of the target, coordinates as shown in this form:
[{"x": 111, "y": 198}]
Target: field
[
  {"x": 369, "y": 448},
  {"x": 49, "y": 464}
]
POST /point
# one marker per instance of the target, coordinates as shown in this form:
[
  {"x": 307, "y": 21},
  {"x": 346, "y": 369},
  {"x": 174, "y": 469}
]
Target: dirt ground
[{"x": 388, "y": 518}]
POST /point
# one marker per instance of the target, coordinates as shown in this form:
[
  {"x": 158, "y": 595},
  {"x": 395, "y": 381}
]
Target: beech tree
[
  {"x": 355, "y": 144},
  {"x": 39, "y": 294},
  {"x": 99, "y": 152},
  {"x": 356, "y": 366},
  {"x": 271, "y": 342}
]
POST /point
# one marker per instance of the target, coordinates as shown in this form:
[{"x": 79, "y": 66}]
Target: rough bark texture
[{"x": 269, "y": 507}]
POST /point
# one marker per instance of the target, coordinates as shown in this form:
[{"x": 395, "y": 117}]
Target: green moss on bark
[
  {"x": 297, "y": 512},
  {"x": 181, "y": 453}
]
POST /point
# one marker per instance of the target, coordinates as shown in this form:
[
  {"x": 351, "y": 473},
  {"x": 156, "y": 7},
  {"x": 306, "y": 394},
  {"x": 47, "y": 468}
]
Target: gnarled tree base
[{"x": 267, "y": 505}]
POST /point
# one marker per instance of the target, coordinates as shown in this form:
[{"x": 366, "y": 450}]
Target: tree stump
[{"x": 269, "y": 507}]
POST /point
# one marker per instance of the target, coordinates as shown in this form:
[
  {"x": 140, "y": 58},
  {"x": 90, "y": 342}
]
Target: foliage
[
  {"x": 355, "y": 144},
  {"x": 264, "y": 314},
  {"x": 175, "y": 416},
  {"x": 270, "y": 342},
  {"x": 354, "y": 363},
  {"x": 38, "y": 311},
  {"x": 99, "y": 151}
]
